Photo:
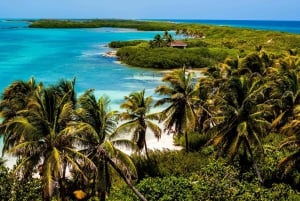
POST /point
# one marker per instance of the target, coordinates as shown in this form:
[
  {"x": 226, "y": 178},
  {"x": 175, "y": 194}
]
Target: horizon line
[{"x": 164, "y": 19}]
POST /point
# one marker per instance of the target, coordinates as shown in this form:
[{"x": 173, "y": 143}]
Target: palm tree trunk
[
  {"x": 257, "y": 171},
  {"x": 146, "y": 150},
  {"x": 101, "y": 186},
  {"x": 127, "y": 181},
  {"x": 93, "y": 193},
  {"x": 62, "y": 190},
  {"x": 254, "y": 163},
  {"x": 186, "y": 142},
  {"x": 62, "y": 184},
  {"x": 46, "y": 198},
  {"x": 102, "y": 196}
]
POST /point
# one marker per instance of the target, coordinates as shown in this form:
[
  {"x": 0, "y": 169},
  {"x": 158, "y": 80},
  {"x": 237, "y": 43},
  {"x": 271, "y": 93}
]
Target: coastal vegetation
[
  {"x": 207, "y": 45},
  {"x": 201, "y": 49},
  {"x": 97, "y": 23},
  {"x": 238, "y": 124}
]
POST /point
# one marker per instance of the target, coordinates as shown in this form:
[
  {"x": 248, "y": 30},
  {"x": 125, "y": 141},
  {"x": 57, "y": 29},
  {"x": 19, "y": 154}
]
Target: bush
[
  {"x": 165, "y": 189},
  {"x": 166, "y": 58},
  {"x": 196, "y": 141},
  {"x": 119, "y": 44},
  {"x": 5, "y": 182}
]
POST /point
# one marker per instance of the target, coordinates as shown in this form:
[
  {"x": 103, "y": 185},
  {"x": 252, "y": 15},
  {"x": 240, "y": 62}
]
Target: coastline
[
  {"x": 164, "y": 143},
  {"x": 110, "y": 54}
]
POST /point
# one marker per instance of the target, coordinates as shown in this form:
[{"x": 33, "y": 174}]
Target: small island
[{"x": 206, "y": 45}]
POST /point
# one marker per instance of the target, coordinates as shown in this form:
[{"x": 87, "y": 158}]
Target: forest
[{"x": 238, "y": 126}]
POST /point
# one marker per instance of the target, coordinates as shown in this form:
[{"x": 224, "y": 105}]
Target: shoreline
[
  {"x": 110, "y": 54},
  {"x": 165, "y": 142}
]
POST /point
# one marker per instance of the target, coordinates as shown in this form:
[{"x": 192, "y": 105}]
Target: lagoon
[{"x": 53, "y": 54}]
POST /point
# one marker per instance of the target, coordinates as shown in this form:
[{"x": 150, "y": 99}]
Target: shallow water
[{"x": 53, "y": 54}]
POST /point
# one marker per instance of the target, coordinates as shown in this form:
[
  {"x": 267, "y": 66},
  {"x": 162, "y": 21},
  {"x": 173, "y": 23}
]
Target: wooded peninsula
[{"x": 206, "y": 45}]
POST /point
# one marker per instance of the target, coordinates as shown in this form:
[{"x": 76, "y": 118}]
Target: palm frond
[
  {"x": 129, "y": 144},
  {"x": 154, "y": 128},
  {"x": 57, "y": 161},
  {"x": 82, "y": 157},
  {"x": 48, "y": 180},
  {"x": 291, "y": 140},
  {"x": 291, "y": 128},
  {"x": 76, "y": 167},
  {"x": 289, "y": 162},
  {"x": 127, "y": 127},
  {"x": 128, "y": 164},
  {"x": 21, "y": 164}
]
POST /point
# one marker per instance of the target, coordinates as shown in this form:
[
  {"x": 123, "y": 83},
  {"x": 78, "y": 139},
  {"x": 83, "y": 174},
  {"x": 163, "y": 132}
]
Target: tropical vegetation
[{"x": 237, "y": 124}]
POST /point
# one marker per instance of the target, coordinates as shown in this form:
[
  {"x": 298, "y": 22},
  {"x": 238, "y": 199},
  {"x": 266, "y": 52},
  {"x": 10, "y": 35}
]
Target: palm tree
[
  {"x": 208, "y": 85},
  {"x": 284, "y": 96},
  {"x": 44, "y": 137},
  {"x": 180, "y": 96},
  {"x": 98, "y": 145},
  {"x": 65, "y": 87},
  {"x": 204, "y": 104},
  {"x": 16, "y": 96},
  {"x": 157, "y": 41},
  {"x": 287, "y": 91},
  {"x": 291, "y": 129},
  {"x": 137, "y": 119},
  {"x": 240, "y": 115},
  {"x": 290, "y": 60},
  {"x": 167, "y": 37},
  {"x": 14, "y": 99},
  {"x": 256, "y": 62}
]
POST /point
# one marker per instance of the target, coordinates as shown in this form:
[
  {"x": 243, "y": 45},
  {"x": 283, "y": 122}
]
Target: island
[{"x": 206, "y": 45}]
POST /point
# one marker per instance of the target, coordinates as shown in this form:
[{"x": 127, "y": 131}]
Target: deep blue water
[
  {"x": 284, "y": 26},
  {"x": 53, "y": 54}
]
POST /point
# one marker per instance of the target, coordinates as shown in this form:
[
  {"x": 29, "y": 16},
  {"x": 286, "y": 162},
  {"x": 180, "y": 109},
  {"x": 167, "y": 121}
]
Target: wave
[{"x": 91, "y": 54}]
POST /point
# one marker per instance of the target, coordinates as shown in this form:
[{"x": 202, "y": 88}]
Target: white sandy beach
[{"x": 164, "y": 143}]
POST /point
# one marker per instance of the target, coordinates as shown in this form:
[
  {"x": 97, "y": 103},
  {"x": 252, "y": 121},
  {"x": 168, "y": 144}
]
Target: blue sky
[{"x": 152, "y": 9}]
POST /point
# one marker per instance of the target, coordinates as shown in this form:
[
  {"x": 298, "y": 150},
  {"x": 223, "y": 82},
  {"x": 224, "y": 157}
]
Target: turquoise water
[{"x": 53, "y": 54}]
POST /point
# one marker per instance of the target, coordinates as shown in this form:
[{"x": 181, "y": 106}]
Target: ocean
[
  {"x": 281, "y": 26},
  {"x": 53, "y": 54}
]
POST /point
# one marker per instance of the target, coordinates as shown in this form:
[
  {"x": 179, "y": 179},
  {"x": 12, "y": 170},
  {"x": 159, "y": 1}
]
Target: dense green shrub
[
  {"x": 169, "y": 163},
  {"x": 196, "y": 43},
  {"x": 166, "y": 58},
  {"x": 119, "y": 44},
  {"x": 165, "y": 189},
  {"x": 5, "y": 182},
  {"x": 214, "y": 181},
  {"x": 140, "y": 25},
  {"x": 196, "y": 140}
]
